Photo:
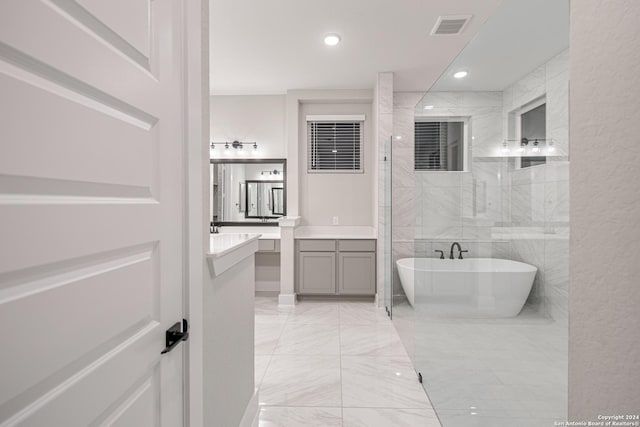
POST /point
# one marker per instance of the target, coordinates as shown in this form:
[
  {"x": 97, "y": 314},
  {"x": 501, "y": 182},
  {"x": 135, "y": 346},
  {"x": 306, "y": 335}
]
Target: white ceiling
[
  {"x": 271, "y": 46},
  {"x": 520, "y": 36}
]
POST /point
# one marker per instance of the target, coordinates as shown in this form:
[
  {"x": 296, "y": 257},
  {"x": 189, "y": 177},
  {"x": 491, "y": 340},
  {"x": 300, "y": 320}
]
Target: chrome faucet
[{"x": 460, "y": 251}]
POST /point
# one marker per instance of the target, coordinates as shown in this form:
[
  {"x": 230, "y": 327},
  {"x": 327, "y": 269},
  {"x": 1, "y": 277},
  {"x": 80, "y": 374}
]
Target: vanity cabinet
[{"x": 336, "y": 267}]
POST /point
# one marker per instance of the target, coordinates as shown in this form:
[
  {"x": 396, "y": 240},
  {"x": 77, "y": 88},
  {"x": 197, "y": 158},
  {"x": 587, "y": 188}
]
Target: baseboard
[
  {"x": 252, "y": 413},
  {"x": 287, "y": 299}
]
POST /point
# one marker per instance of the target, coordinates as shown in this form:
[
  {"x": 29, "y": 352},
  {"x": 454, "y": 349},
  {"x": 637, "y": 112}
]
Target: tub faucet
[
  {"x": 441, "y": 253},
  {"x": 460, "y": 251}
]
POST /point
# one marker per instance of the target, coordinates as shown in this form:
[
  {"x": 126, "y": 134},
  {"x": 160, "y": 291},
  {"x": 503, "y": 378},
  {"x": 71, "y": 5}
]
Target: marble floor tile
[
  {"x": 261, "y": 363},
  {"x": 381, "y": 382},
  {"x": 377, "y": 417},
  {"x": 274, "y": 416},
  {"x": 356, "y": 313},
  {"x": 309, "y": 338},
  {"x": 302, "y": 380},
  {"x": 374, "y": 339},
  {"x": 470, "y": 418},
  {"x": 269, "y": 306},
  {"x": 315, "y": 312},
  {"x": 266, "y": 337}
]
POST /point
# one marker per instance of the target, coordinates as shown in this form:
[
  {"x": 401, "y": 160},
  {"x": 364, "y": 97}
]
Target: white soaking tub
[{"x": 473, "y": 287}]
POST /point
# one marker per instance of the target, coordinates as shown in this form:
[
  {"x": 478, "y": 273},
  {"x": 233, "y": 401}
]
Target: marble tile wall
[{"x": 539, "y": 196}]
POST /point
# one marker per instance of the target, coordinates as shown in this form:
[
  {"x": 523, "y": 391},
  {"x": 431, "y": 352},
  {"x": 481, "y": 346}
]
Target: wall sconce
[{"x": 236, "y": 145}]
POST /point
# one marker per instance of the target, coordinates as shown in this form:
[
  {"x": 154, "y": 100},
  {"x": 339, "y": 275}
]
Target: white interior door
[{"x": 91, "y": 202}]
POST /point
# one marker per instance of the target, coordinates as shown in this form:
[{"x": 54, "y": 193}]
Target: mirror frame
[
  {"x": 257, "y": 223},
  {"x": 273, "y": 199}
]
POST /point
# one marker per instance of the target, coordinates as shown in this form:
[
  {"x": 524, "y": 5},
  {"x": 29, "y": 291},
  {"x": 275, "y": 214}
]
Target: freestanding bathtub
[{"x": 473, "y": 287}]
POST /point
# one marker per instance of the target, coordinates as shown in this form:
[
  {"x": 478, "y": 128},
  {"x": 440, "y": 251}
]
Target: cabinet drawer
[
  {"x": 357, "y": 245},
  {"x": 307, "y": 245},
  {"x": 268, "y": 245}
]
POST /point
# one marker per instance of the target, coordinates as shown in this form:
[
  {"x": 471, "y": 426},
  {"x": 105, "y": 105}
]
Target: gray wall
[
  {"x": 249, "y": 118},
  {"x": 349, "y": 196},
  {"x": 604, "y": 342}
]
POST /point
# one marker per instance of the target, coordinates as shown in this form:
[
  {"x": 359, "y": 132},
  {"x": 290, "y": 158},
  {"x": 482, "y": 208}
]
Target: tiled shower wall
[
  {"x": 494, "y": 210},
  {"x": 539, "y": 196}
]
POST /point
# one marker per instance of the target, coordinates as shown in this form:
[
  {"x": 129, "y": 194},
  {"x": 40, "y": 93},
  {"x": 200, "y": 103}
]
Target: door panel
[
  {"x": 317, "y": 273},
  {"x": 357, "y": 272},
  {"x": 91, "y": 172}
]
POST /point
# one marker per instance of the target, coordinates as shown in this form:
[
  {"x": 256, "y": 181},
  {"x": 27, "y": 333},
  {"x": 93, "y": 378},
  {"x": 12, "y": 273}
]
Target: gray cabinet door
[
  {"x": 317, "y": 273},
  {"x": 357, "y": 273}
]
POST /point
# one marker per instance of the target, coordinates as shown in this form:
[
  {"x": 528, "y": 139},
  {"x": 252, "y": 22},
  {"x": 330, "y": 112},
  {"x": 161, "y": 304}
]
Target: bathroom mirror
[{"x": 248, "y": 191}]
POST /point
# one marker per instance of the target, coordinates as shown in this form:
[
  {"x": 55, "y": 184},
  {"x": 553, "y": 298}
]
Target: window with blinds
[
  {"x": 334, "y": 146},
  {"x": 439, "y": 146}
]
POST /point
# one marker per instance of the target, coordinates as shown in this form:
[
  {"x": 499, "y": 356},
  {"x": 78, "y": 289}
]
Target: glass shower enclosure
[{"x": 480, "y": 286}]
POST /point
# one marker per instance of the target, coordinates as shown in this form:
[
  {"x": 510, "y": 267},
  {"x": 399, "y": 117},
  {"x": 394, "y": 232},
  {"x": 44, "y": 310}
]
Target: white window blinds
[{"x": 334, "y": 146}]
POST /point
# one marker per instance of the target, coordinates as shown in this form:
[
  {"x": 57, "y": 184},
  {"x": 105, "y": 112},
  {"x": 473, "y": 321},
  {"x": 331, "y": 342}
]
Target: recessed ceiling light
[
  {"x": 332, "y": 39},
  {"x": 460, "y": 74},
  {"x": 428, "y": 107}
]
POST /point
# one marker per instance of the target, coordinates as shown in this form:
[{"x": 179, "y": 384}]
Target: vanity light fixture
[
  {"x": 237, "y": 145},
  {"x": 460, "y": 75},
  {"x": 332, "y": 39},
  {"x": 535, "y": 148},
  {"x": 505, "y": 147},
  {"x": 524, "y": 143},
  {"x": 550, "y": 147}
]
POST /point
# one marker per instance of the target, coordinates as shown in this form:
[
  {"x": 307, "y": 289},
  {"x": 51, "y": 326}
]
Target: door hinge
[{"x": 174, "y": 335}]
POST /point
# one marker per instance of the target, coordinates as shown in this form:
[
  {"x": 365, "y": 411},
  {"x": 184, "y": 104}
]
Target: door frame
[{"x": 196, "y": 200}]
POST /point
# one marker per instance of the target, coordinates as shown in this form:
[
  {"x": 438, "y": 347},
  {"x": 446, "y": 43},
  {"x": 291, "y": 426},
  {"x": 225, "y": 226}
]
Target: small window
[
  {"x": 439, "y": 146},
  {"x": 334, "y": 146}
]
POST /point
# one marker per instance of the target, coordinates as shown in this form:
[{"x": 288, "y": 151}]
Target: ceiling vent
[{"x": 450, "y": 25}]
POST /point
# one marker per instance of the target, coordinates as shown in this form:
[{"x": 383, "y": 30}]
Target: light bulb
[
  {"x": 460, "y": 74},
  {"x": 535, "y": 148},
  {"x": 521, "y": 150},
  {"x": 428, "y": 107},
  {"x": 506, "y": 149},
  {"x": 551, "y": 149}
]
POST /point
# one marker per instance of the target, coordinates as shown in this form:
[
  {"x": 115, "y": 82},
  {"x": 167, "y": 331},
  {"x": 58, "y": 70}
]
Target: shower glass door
[
  {"x": 487, "y": 291},
  {"x": 388, "y": 247}
]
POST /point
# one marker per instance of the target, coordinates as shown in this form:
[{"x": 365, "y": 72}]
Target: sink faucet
[{"x": 460, "y": 251}]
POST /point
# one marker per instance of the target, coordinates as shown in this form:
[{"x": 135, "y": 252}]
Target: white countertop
[
  {"x": 265, "y": 232},
  {"x": 336, "y": 232},
  {"x": 224, "y": 243}
]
